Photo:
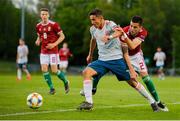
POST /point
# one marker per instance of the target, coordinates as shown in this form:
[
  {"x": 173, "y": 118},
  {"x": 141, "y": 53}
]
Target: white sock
[
  {"x": 140, "y": 88},
  {"x": 19, "y": 74},
  {"x": 88, "y": 90}
]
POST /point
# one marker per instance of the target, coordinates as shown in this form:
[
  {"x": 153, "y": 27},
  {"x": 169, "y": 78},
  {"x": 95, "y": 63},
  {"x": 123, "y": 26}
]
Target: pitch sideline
[{"x": 68, "y": 110}]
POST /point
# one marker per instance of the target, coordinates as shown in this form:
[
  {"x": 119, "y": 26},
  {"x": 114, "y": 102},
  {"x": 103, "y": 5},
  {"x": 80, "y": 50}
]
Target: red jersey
[
  {"x": 48, "y": 33},
  {"x": 142, "y": 35},
  {"x": 64, "y": 54}
]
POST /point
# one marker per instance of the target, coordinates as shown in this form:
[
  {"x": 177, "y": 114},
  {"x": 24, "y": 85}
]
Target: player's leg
[
  {"x": 149, "y": 83},
  {"x": 60, "y": 74},
  {"x": 162, "y": 73},
  {"x": 158, "y": 72},
  {"x": 95, "y": 80},
  {"x": 92, "y": 69},
  {"x": 119, "y": 68},
  {"x": 28, "y": 75},
  {"x": 19, "y": 72},
  {"x": 65, "y": 65},
  {"x": 45, "y": 60},
  {"x": 87, "y": 87},
  {"x": 140, "y": 64}
]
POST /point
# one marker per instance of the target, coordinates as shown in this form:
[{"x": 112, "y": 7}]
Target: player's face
[
  {"x": 134, "y": 28},
  {"x": 44, "y": 16},
  {"x": 96, "y": 21},
  {"x": 21, "y": 42},
  {"x": 65, "y": 45},
  {"x": 159, "y": 49}
]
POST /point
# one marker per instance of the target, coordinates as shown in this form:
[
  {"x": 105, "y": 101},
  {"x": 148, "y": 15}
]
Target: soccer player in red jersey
[
  {"x": 134, "y": 35},
  {"x": 64, "y": 54},
  {"x": 49, "y": 36}
]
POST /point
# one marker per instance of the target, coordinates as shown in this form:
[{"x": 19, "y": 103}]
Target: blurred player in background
[
  {"x": 110, "y": 59},
  {"x": 134, "y": 35},
  {"x": 49, "y": 36},
  {"x": 64, "y": 54},
  {"x": 160, "y": 57},
  {"x": 22, "y": 59}
]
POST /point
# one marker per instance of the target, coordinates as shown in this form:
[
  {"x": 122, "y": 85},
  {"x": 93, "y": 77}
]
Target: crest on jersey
[{"x": 49, "y": 28}]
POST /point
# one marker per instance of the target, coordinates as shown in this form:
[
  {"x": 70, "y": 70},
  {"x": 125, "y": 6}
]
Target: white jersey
[
  {"x": 110, "y": 50},
  {"x": 22, "y": 51},
  {"x": 160, "y": 57}
]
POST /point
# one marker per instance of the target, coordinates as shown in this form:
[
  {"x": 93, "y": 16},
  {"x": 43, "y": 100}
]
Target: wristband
[
  {"x": 111, "y": 37},
  {"x": 125, "y": 35}
]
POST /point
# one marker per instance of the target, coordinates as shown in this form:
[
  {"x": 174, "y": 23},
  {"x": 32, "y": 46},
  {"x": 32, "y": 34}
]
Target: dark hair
[
  {"x": 137, "y": 19},
  {"x": 44, "y": 9},
  {"x": 21, "y": 39},
  {"x": 96, "y": 12}
]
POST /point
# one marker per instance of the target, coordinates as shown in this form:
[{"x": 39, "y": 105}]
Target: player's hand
[
  {"x": 133, "y": 75},
  {"x": 118, "y": 29},
  {"x": 50, "y": 46},
  {"x": 89, "y": 59},
  {"x": 37, "y": 42}
]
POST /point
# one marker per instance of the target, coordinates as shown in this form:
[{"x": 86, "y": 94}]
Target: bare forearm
[
  {"x": 60, "y": 39},
  {"x": 92, "y": 46},
  {"x": 126, "y": 57},
  {"x": 130, "y": 44}
]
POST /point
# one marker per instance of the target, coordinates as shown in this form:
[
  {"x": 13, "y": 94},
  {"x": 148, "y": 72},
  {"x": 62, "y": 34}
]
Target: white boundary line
[{"x": 68, "y": 110}]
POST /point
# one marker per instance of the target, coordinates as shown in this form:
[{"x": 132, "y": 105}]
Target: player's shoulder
[
  {"x": 110, "y": 23},
  {"x": 38, "y": 24},
  {"x": 52, "y": 22},
  {"x": 92, "y": 28},
  {"x": 144, "y": 31}
]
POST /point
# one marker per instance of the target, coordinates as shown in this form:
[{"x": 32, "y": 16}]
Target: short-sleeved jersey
[
  {"x": 160, "y": 58},
  {"x": 141, "y": 35},
  {"x": 64, "y": 54},
  {"x": 110, "y": 50},
  {"x": 48, "y": 33},
  {"x": 22, "y": 51}
]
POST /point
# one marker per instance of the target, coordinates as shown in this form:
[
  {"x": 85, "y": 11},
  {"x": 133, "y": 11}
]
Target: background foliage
[{"x": 161, "y": 19}]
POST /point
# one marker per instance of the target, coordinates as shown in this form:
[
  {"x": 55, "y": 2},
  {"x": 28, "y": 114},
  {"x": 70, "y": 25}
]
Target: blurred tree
[{"x": 161, "y": 19}]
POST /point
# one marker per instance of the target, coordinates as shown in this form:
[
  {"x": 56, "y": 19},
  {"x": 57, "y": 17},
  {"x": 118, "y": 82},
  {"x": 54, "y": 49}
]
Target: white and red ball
[{"x": 34, "y": 100}]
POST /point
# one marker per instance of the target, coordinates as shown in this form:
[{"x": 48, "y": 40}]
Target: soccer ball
[{"x": 34, "y": 100}]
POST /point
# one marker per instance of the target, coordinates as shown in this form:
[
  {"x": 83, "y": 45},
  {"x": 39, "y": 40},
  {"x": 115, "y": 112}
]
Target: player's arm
[
  {"x": 132, "y": 44},
  {"x": 38, "y": 41},
  {"x": 59, "y": 40},
  {"x": 155, "y": 58},
  {"x": 27, "y": 51},
  {"x": 91, "y": 50},
  {"x": 17, "y": 56},
  {"x": 124, "y": 46}
]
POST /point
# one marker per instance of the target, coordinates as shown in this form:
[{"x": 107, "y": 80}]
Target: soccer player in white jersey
[
  {"x": 110, "y": 59},
  {"x": 160, "y": 57},
  {"x": 22, "y": 59},
  {"x": 134, "y": 35}
]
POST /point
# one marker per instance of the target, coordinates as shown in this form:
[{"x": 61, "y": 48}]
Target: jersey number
[
  {"x": 141, "y": 65},
  {"x": 45, "y": 35}
]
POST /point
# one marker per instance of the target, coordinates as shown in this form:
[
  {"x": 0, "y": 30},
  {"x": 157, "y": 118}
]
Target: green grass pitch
[{"x": 113, "y": 101}]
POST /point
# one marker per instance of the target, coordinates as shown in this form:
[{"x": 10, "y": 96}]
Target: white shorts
[
  {"x": 63, "y": 64},
  {"x": 138, "y": 62},
  {"x": 51, "y": 59}
]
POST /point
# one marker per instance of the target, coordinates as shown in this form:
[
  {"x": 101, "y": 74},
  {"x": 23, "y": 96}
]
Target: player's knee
[
  {"x": 146, "y": 79},
  {"x": 87, "y": 73}
]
